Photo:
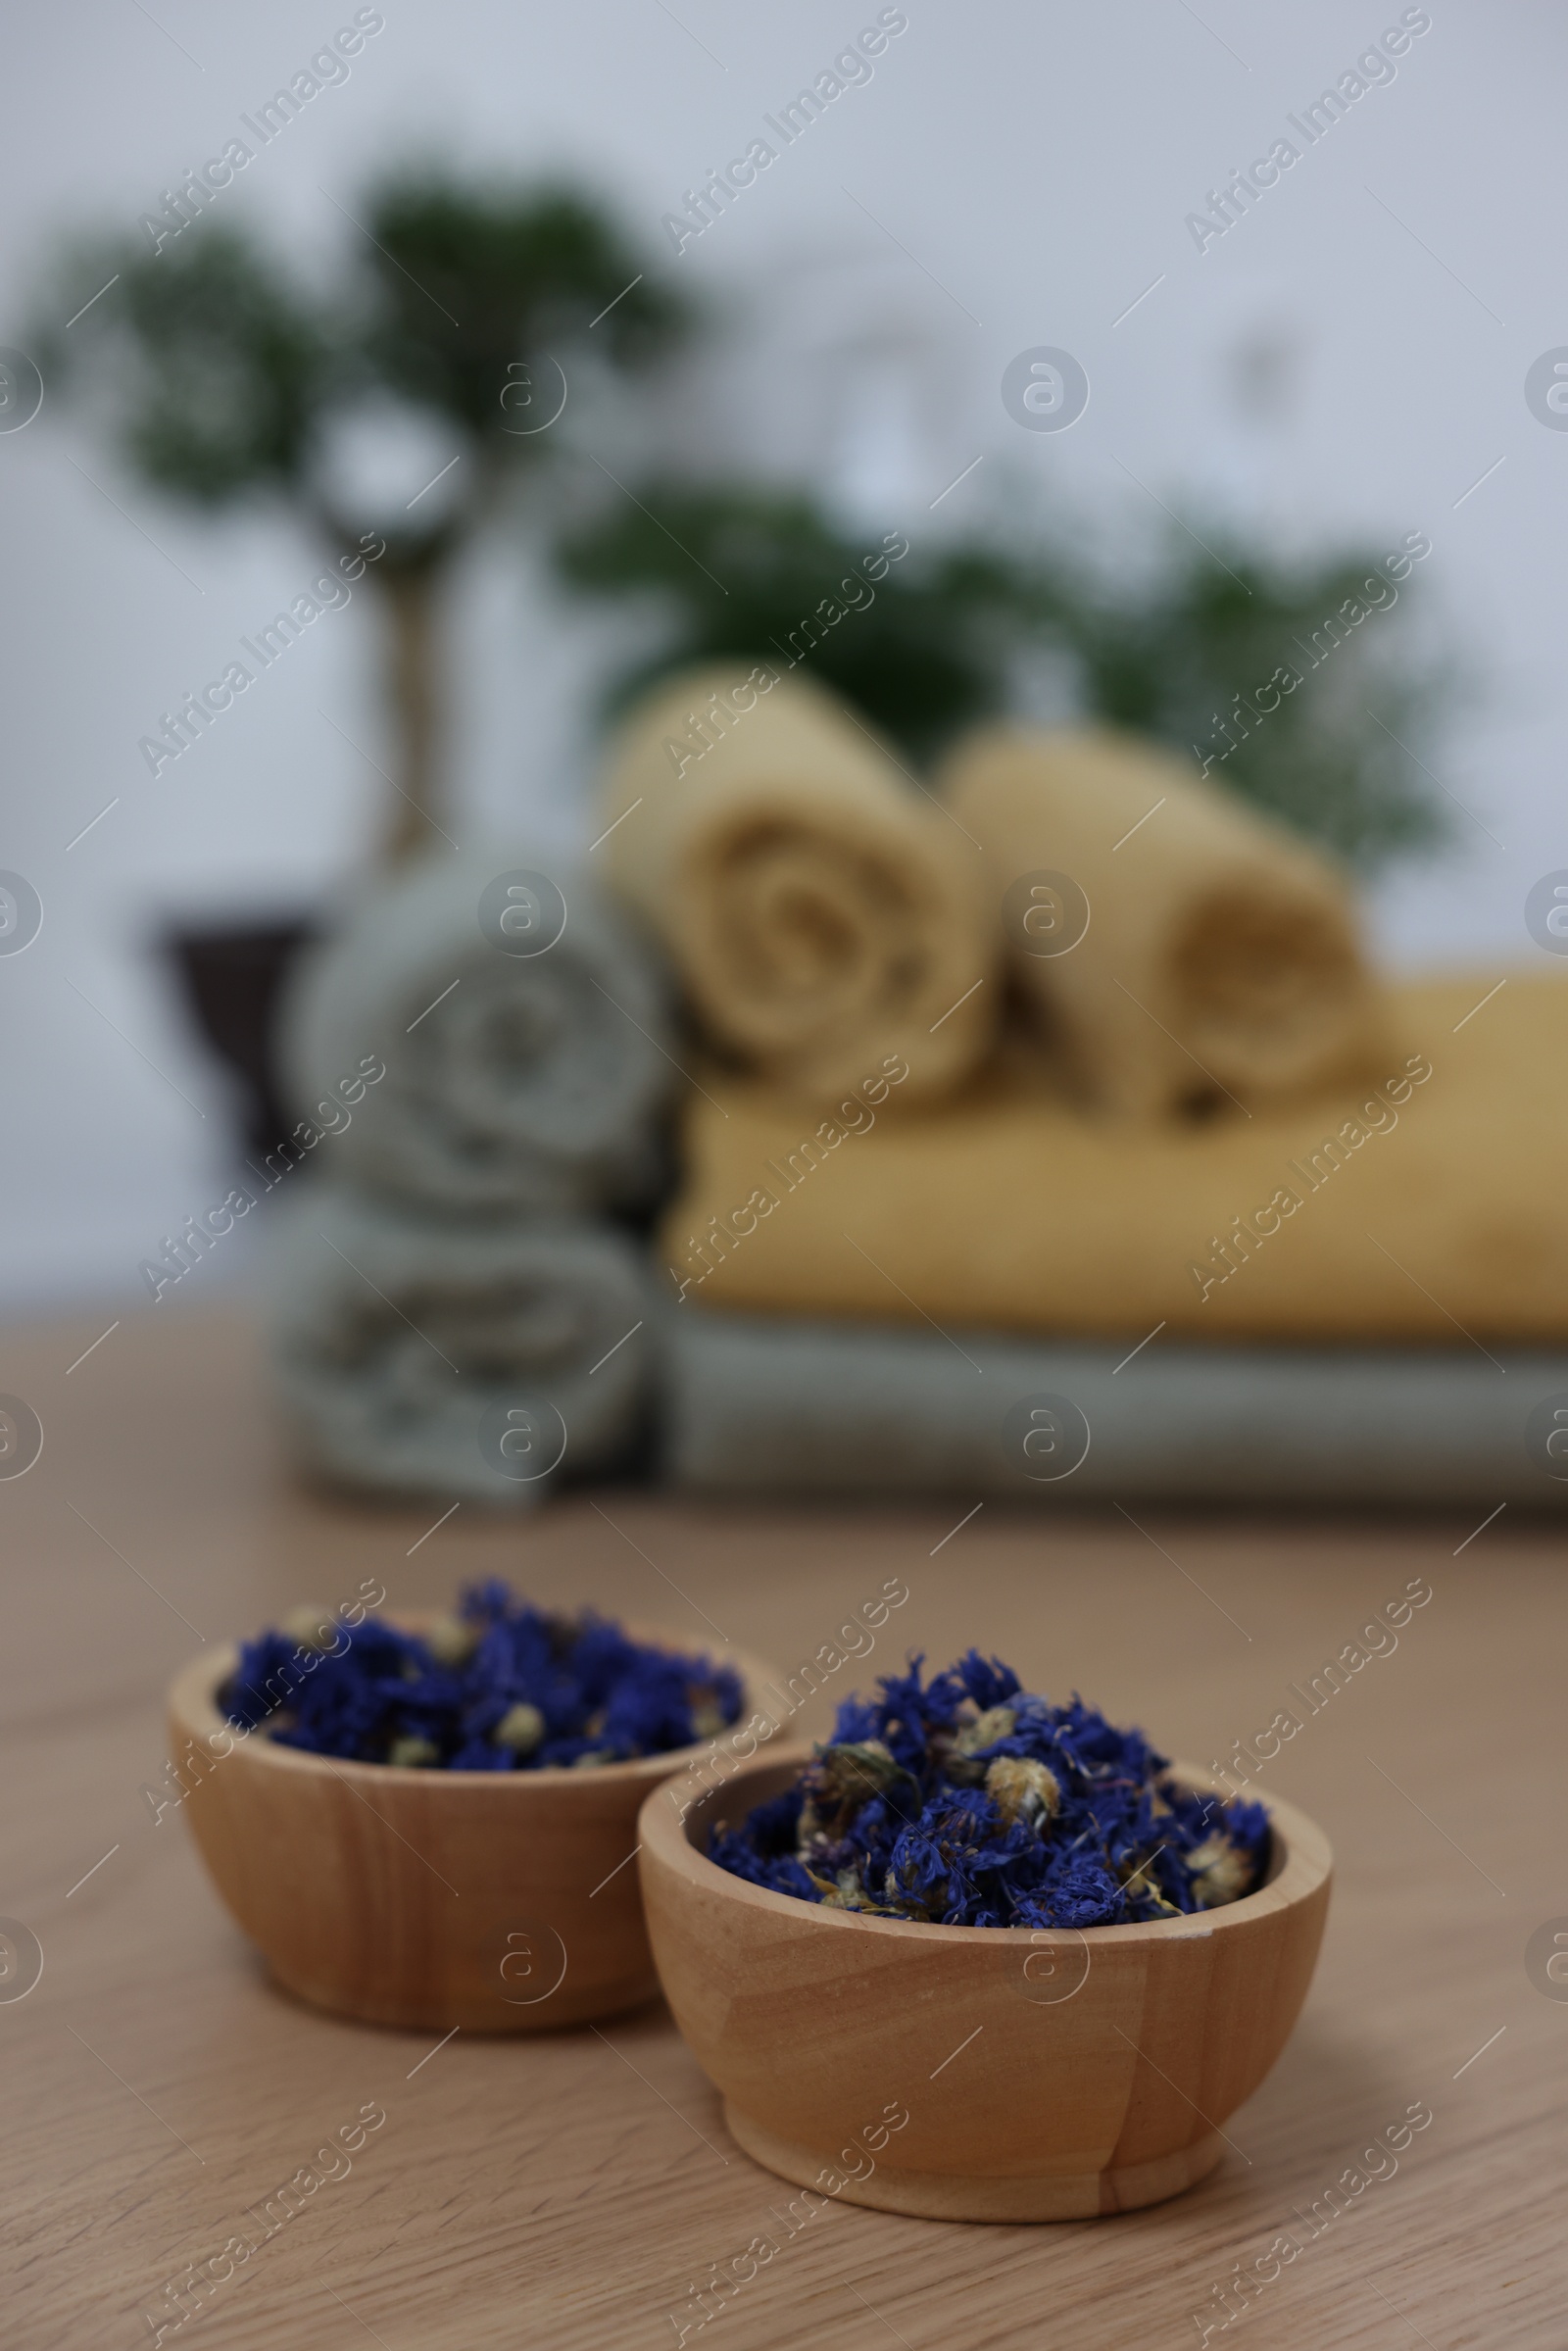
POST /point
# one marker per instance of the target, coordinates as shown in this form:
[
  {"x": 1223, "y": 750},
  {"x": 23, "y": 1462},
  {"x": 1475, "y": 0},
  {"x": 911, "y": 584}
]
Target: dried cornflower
[
  {"x": 1138, "y": 1885},
  {"x": 708, "y": 1717},
  {"x": 840, "y": 1780},
  {"x": 846, "y": 1892},
  {"x": 972, "y": 1741},
  {"x": 1221, "y": 1870},
  {"x": 500, "y": 1685},
  {"x": 451, "y": 1641},
  {"x": 520, "y": 1729},
  {"x": 972, "y": 1802},
  {"x": 409, "y": 1752},
  {"x": 312, "y": 1626},
  {"x": 1019, "y": 1785}
]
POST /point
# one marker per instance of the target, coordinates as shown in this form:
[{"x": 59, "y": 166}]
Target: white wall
[{"x": 1036, "y": 162}]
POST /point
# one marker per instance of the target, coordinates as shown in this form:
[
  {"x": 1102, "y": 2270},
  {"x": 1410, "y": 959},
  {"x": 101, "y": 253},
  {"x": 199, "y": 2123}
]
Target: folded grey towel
[
  {"x": 523, "y": 1027},
  {"x": 476, "y": 1364},
  {"x": 758, "y": 1405}
]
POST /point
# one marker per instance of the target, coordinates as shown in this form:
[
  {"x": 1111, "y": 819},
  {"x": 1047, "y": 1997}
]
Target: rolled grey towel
[
  {"x": 773, "y": 1406},
  {"x": 523, "y": 1027},
  {"x": 477, "y": 1364}
]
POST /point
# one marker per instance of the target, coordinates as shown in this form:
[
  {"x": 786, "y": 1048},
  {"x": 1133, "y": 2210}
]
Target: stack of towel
[
  {"x": 456, "y": 1310},
  {"x": 1069, "y": 1055},
  {"x": 1041, "y": 1131}
]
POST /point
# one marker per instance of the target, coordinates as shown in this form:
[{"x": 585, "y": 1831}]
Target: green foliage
[
  {"x": 221, "y": 371},
  {"x": 467, "y": 286},
  {"x": 1339, "y": 757},
  {"x": 214, "y": 367},
  {"x": 220, "y": 366},
  {"x": 953, "y": 630},
  {"x": 923, "y": 651}
]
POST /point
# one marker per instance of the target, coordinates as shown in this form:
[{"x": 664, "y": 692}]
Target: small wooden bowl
[
  {"x": 1044, "y": 2077},
  {"x": 499, "y": 1902}
]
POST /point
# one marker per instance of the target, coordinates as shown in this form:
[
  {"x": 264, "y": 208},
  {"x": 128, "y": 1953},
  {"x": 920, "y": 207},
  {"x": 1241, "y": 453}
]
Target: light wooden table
[{"x": 572, "y": 2190}]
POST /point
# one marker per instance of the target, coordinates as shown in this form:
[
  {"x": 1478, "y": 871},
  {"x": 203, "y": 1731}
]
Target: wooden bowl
[
  {"x": 501, "y": 1901},
  {"x": 1042, "y": 2077}
]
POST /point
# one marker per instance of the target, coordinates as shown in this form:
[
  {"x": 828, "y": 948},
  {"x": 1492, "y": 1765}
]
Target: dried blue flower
[
  {"x": 501, "y": 1686},
  {"x": 969, "y": 1802}
]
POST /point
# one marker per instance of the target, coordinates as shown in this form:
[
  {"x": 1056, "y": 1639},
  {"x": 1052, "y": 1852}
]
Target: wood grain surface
[{"x": 578, "y": 2190}]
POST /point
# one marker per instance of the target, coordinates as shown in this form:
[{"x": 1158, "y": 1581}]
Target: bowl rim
[
  {"x": 191, "y": 1700},
  {"x": 1306, "y": 1868}
]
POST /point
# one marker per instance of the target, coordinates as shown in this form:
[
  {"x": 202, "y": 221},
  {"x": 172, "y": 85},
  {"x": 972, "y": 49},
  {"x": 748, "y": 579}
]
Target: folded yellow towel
[
  {"x": 818, "y": 909},
  {"x": 1220, "y": 956},
  {"x": 1430, "y": 1207}
]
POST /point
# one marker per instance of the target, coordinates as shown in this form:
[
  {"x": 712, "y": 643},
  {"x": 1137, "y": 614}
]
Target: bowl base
[{"x": 953, "y": 2196}]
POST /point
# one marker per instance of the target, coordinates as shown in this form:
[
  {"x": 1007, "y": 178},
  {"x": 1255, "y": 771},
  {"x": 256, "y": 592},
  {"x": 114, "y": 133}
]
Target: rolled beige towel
[
  {"x": 1220, "y": 959},
  {"x": 822, "y": 913}
]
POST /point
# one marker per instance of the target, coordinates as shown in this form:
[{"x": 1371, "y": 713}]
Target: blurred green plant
[
  {"x": 744, "y": 571},
  {"x": 1176, "y": 645},
  {"x": 1294, "y": 688},
  {"x": 221, "y": 371}
]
